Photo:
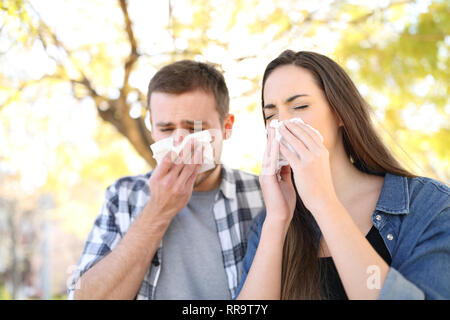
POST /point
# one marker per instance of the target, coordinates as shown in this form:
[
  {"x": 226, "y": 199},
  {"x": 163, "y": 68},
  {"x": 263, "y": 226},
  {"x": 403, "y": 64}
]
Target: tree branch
[
  {"x": 132, "y": 58},
  {"x": 370, "y": 14},
  {"x": 26, "y": 84},
  {"x": 311, "y": 20}
]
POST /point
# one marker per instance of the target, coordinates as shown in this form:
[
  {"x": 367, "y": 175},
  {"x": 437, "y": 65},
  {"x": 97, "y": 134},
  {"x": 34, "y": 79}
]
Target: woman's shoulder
[
  {"x": 429, "y": 183},
  {"x": 429, "y": 195},
  {"x": 433, "y": 188},
  {"x": 416, "y": 200}
]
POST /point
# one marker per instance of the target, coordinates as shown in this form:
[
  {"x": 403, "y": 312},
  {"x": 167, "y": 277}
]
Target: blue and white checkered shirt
[{"x": 238, "y": 201}]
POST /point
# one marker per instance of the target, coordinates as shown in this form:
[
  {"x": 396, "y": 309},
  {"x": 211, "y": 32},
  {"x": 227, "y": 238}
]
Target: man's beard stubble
[{"x": 203, "y": 176}]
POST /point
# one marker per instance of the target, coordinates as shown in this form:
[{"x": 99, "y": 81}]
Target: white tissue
[
  {"x": 164, "y": 146},
  {"x": 276, "y": 125}
]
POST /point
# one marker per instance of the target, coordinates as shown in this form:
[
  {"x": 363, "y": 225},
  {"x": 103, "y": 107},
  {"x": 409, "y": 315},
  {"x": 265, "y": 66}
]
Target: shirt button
[
  {"x": 378, "y": 217},
  {"x": 390, "y": 236}
]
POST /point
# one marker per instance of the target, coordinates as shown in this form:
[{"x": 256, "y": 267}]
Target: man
[{"x": 174, "y": 233}]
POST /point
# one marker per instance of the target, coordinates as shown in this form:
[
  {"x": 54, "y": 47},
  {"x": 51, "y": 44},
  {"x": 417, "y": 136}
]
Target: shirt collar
[
  {"x": 394, "y": 197},
  {"x": 228, "y": 183}
]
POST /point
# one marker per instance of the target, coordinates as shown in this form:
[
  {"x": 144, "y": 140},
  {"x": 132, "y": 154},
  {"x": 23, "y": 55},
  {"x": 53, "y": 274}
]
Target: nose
[
  {"x": 284, "y": 114},
  {"x": 178, "y": 136}
]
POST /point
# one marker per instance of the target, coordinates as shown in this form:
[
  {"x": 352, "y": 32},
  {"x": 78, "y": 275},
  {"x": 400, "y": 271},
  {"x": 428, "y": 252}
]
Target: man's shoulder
[
  {"x": 127, "y": 195},
  {"x": 245, "y": 182},
  {"x": 245, "y": 188},
  {"x": 130, "y": 183},
  {"x": 240, "y": 175}
]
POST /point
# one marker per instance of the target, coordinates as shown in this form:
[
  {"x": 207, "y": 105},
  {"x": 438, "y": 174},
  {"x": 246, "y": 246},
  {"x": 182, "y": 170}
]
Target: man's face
[{"x": 178, "y": 115}]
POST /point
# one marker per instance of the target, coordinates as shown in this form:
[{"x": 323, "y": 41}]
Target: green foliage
[
  {"x": 16, "y": 13},
  {"x": 4, "y": 293},
  {"x": 397, "y": 65},
  {"x": 14, "y": 8}
]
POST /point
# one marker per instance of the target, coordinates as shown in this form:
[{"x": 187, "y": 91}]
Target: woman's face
[{"x": 291, "y": 92}]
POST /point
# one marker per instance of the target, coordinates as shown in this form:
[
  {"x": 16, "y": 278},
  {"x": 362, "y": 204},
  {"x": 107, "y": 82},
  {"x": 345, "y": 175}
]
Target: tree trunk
[{"x": 134, "y": 130}]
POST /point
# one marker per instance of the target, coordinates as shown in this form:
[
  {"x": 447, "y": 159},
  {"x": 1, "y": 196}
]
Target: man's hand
[{"x": 172, "y": 182}]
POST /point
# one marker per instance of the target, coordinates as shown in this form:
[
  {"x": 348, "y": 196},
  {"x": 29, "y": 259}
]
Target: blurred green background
[{"x": 73, "y": 79}]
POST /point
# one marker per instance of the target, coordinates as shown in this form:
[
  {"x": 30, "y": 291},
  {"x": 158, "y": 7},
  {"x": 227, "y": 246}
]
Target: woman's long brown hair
[{"x": 300, "y": 270}]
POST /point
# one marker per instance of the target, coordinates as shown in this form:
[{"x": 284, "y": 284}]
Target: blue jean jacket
[{"x": 413, "y": 218}]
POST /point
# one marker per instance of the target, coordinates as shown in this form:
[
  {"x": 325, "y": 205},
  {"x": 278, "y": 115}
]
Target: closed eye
[
  {"x": 170, "y": 129},
  {"x": 295, "y": 108}
]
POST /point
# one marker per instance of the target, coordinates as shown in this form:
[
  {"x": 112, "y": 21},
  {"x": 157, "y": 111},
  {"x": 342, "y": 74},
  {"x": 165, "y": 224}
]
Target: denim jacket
[{"x": 413, "y": 218}]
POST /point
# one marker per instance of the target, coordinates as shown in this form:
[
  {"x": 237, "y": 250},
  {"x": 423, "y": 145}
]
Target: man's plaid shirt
[{"x": 238, "y": 201}]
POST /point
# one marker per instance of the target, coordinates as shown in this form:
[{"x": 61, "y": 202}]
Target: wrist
[
  {"x": 329, "y": 210},
  {"x": 325, "y": 205},
  {"x": 156, "y": 218},
  {"x": 276, "y": 226}
]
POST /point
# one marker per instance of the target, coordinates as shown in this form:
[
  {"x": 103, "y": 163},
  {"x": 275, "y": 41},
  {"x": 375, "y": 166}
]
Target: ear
[
  {"x": 228, "y": 126},
  {"x": 339, "y": 120}
]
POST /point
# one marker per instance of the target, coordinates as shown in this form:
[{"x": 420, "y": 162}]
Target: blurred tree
[
  {"x": 86, "y": 77},
  {"x": 390, "y": 49},
  {"x": 408, "y": 68},
  {"x": 89, "y": 62},
  {"x": 397, "y": 53},
  {"x": 19, "y": 237}
]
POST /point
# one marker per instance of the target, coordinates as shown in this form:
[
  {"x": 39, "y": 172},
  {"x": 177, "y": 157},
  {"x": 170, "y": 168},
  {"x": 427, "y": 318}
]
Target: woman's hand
[
  {"x": 279, "y": 196},
  {"x": 310, "y": 163}
]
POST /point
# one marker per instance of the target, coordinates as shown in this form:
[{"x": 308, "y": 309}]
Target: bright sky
[{"x": 86, "y": 22}]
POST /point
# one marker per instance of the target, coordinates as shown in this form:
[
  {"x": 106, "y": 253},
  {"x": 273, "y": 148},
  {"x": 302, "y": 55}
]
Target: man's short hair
[{"x": 187, "y": 75}]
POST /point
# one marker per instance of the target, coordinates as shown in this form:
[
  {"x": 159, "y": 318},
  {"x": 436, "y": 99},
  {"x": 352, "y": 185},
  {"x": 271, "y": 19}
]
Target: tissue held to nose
[
  {"x": 276, "y": 125},
  {"x": 202, "y": 138}
]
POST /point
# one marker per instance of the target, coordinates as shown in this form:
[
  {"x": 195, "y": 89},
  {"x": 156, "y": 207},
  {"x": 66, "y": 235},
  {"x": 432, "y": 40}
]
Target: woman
[{"x": 345, "y": 220}]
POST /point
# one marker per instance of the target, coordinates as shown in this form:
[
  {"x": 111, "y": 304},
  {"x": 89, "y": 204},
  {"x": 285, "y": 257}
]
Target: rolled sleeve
[
  {"x": 423, "y": 274},
  {"x": 397, "y": 287}
]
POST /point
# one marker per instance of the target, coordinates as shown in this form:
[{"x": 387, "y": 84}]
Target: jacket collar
[{"x": 394, "y": 197}]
